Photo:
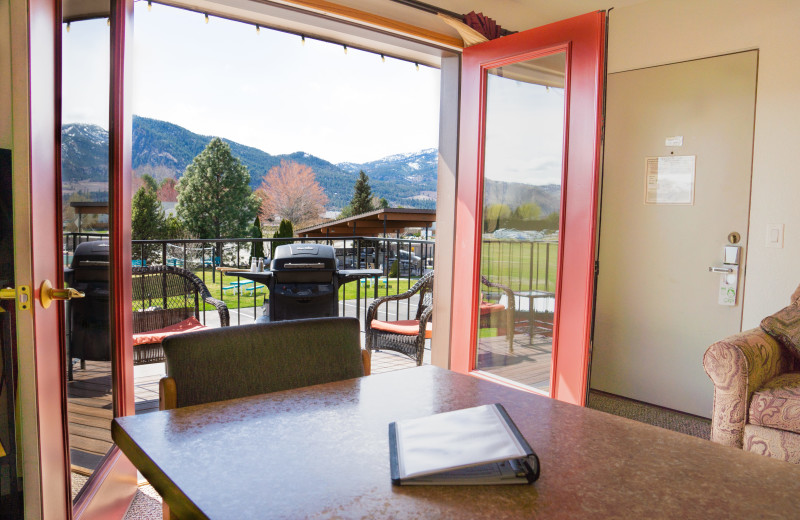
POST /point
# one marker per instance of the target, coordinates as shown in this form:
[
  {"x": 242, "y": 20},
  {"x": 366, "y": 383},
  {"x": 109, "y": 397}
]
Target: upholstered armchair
[{"x": 756, "y": 378}]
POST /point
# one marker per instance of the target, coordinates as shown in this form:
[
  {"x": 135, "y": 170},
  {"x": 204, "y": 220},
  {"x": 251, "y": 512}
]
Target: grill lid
[
  {"x": 310, "y": 257},
  {"x": 91, "y": 255}
]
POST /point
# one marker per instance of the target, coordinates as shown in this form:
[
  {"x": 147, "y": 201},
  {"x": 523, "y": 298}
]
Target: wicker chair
[
  {"x": 496, "y": 315},
  {"x": 405, "y": 336},
  {"x": 166, "y": 300}
]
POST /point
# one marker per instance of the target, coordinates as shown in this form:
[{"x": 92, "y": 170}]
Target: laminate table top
[{"x": 323, "y": 452}]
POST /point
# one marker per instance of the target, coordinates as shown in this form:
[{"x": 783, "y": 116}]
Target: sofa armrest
[{"x": 739, "y": 365}]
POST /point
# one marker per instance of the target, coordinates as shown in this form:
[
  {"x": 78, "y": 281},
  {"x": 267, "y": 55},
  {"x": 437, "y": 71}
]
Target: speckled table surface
[{"x": 322, "y": 452}]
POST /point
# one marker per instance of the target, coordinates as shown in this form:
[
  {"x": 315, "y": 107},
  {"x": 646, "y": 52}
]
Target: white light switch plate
[{"x": 775, "y": 235}]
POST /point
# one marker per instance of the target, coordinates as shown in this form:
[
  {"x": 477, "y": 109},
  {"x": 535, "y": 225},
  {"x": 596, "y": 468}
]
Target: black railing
[
  {"x": 401, "y": 261},
  {"x": 519, "y": 265}
]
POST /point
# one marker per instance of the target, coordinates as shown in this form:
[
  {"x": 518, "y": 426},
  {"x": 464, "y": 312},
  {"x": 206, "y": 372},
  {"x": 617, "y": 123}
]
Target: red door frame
[
  {"x": 109, "y": 493},
  {"x": 43, "y": 198},
  {"x": 583, "y": 39}
]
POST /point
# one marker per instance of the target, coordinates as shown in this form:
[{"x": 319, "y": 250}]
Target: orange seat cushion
[
  {"x": 404, "y": 327},
  {"x": 488, "y": 308},
  {"x": 155, "y": 336}
]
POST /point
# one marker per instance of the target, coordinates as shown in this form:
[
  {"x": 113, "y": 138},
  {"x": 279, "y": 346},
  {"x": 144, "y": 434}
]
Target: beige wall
[{"x": 668, "y": 31}]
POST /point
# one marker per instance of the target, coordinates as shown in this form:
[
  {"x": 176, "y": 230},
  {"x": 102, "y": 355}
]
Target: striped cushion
[
  {"x": 784, "y": 326},
  {"x": 404, "y": 327}
]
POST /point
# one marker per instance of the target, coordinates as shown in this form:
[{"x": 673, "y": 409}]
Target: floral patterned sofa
[{"x": 756, "y": 376}]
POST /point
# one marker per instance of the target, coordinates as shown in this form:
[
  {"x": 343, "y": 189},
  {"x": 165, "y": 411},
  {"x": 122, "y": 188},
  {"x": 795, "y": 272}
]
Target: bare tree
[
  {"x": 167, "y": 191},
  {"x": 289, "y": 191}
]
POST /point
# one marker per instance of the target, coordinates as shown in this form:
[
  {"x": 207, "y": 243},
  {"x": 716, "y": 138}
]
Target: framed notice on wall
[{"x": 669, "y": 179}]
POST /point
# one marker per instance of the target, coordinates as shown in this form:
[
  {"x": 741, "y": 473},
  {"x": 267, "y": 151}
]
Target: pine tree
[
  {"x": 258, "y": 245},
  {"x": 362, "y": 196},
  {"x": 214, "y": 195},
  {"x": 147, "y": 221},
  {"x": 284, "y": 231}
]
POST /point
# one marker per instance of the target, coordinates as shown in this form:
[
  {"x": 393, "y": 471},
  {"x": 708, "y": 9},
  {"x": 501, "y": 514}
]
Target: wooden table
[{"x": 322, "y": 452}]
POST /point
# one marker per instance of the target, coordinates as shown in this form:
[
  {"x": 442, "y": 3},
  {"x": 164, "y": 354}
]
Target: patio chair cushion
[
  {"x": 158, "y": 335},
  {"x": 404, "y": 327},
  {"x": 488, "y": 308},
  {"x": 777, "y": 403}
]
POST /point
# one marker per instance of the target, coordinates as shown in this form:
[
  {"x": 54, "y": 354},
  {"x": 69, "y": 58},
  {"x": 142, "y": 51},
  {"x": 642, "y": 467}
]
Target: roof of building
[{"x": 374, "y": 223}]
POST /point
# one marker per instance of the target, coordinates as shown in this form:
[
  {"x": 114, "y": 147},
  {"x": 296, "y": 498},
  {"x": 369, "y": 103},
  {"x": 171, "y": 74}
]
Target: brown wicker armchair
[
  {"x": 404, "y": 336},
  {"x": 166, "y": 300},
  {"x": 496, "y": 315}
]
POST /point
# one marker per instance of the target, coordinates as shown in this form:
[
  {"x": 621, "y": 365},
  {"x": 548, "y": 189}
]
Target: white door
[{"x": 657, "y": 306}]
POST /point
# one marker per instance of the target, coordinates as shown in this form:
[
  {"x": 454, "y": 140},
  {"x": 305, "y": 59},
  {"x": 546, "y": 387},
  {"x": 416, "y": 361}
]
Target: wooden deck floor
[{"x": 528, "y": 363}]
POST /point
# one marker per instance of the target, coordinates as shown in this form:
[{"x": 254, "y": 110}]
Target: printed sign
[{"x": 669, "y": 180}]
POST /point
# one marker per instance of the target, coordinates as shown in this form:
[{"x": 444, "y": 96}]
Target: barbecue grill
[
  {"x": 88, "y": 317},
  {"x": 304, "y": 281}
]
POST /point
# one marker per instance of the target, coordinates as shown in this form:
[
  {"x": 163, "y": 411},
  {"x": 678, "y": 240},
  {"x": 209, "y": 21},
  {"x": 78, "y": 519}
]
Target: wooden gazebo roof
[{"x": 374, "y": 223}]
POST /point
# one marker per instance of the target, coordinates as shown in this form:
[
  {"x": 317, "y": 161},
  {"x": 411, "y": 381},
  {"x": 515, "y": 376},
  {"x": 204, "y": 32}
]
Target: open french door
[
  {"x": 526, "y": 207},
  {"x": 38, "y": 266}
]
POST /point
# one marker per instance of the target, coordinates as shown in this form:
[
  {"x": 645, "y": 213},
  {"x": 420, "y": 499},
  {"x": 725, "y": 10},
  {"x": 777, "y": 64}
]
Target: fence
[
  {"x": 402, "y": 262},
  {"x": 519, "y": 265}
]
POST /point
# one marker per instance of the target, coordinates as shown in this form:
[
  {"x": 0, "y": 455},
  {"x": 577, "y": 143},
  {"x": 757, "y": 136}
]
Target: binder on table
[{"x": 479, "y": 445}]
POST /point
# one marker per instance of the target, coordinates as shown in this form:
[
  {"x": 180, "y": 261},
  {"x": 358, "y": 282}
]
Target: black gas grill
[
  {"x": 304, "y": 282},
  {"x": 88, "y": 317}
]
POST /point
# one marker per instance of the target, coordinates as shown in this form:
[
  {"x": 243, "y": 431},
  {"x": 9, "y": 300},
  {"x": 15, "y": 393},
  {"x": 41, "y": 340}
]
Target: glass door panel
[
  {"x": 85, "y": 226},
  {"x": 522, "y": 191}
]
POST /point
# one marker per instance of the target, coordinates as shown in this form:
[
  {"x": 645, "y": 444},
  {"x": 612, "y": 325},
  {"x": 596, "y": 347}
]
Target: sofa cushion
[
  {"x": 156, "y": 336},
  {"x": 777, "y": 403},
  {"x": 784, "y": 326}
]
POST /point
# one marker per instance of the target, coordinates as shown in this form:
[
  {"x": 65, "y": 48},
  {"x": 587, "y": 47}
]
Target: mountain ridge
[{"x": 164, "y": 149}]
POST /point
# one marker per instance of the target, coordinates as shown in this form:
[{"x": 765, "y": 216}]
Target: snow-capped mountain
[{"x": 163, "y": 150}]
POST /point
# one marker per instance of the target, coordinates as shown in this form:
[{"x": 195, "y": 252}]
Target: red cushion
[
  {"x": 404, "y": 327},
  {"x": 155, "y": 336},
  {"x": 488, "y": 308}
]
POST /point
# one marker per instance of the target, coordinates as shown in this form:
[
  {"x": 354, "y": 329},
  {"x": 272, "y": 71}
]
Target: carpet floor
[{"x": 651, "y": 414}]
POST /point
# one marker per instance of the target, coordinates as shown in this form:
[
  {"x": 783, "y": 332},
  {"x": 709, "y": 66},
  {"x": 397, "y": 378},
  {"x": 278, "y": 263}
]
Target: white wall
[{"x": 668, "y": 31}]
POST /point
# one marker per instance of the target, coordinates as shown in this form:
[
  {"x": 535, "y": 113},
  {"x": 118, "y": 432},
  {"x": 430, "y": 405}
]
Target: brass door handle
[{"x": 48, "y": 294}]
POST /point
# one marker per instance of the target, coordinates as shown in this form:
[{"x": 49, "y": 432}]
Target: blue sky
[{"x": 265, "y": 89}]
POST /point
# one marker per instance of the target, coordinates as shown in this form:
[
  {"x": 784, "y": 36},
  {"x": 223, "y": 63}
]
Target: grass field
[
  {"x": 246, "y": 300},
  {"x": 520, "y": 265}
]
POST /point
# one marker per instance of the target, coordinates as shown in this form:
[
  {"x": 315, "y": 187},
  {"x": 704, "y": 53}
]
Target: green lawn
[
  {"x": 246, "y": 300},
  {"x": 521, "y": 264}
]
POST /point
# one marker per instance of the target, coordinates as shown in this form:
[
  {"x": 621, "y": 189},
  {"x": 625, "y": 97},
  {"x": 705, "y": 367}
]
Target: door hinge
[{"x": 22, "y": 294}]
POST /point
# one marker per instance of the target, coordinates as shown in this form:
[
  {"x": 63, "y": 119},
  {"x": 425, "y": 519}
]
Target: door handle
[
  {"x": 723, "y": 270},
  {"x": 48, "y": 294}
]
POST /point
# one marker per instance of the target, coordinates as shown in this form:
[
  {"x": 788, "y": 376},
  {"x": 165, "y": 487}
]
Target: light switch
[{"x": 775, "y": 235}]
